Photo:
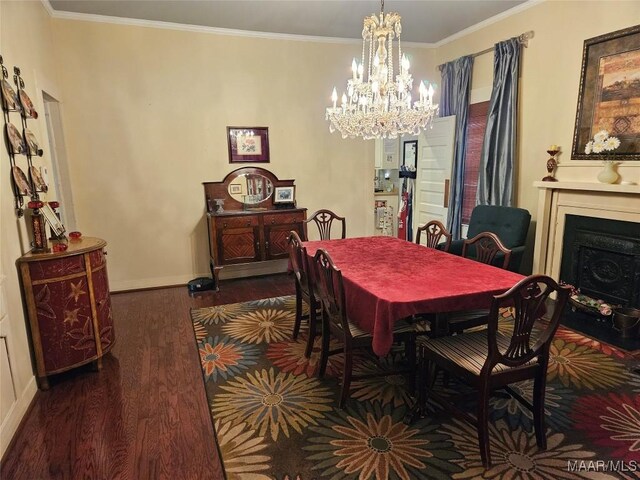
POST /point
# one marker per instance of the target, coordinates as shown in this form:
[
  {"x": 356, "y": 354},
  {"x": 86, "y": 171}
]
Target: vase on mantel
[{"x": 608, "y": 174}]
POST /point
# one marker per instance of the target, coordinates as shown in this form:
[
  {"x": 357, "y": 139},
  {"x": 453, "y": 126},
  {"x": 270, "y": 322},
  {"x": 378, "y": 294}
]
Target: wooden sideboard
[
  {"x": 247, "y": 233},
  {"x": 242, "y": 237},
  {"x": 68, "y": 304}
]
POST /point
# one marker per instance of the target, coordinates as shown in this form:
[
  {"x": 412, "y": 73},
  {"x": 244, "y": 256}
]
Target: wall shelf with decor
[{"x": 27, "y": 180}]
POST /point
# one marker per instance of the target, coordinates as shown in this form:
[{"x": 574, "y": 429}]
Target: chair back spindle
[
  {"x": 331, "y": 290},
  {"x": 528, "y": 301},
  {"x": 298, "y": 259},
  {"x": 324, "y": 219},
  {"x": 486, "y": 246},
  {"x": 434, "y": 231}
]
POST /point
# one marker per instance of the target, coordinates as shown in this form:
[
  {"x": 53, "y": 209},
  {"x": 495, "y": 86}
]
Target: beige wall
[
  {"x": 550, "y": 76},
  {"x": 146, "y": 112},
  {"x": 25, "y": 41}
]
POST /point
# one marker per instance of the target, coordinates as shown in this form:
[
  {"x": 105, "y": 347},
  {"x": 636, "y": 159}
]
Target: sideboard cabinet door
[
  {"x": 238, "y": 239},
  {"x": 277, "y": 227}
]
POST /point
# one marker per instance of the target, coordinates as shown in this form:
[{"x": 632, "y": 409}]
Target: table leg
[
  {"x": 440, "y": 325},
  {"x": 418, "y": 408}
]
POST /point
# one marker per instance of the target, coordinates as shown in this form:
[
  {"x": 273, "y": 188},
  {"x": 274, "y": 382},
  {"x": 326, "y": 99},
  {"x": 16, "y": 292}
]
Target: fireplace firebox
[{"x": 601, "y": 257}]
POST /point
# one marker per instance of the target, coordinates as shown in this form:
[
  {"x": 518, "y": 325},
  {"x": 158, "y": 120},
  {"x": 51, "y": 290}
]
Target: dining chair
[
  {"x": 304, "y": 290},
  {"x": 336, "y": 322},
  {"x": 434, "y": 232},
  {"x": 483, "y": 248},
  {"x": 324, "y": 219},
  {"x": 490, "y": 359}
]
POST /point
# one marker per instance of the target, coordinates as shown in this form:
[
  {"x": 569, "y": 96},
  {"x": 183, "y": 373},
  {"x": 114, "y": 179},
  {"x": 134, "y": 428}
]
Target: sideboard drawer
[
  {"x": 237, "y": 222},
  {"x": 54, "y": 269},
  {"x": 97, "y": 258},
  {"x": 283, "y": 218}
]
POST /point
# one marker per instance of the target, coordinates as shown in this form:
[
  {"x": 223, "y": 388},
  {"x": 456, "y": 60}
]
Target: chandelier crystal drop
[{"x": 375, "y": 105}]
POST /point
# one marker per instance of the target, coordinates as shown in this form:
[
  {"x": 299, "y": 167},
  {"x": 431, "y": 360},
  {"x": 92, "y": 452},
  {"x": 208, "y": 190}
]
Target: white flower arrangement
[{"x": 601, "y": 143}]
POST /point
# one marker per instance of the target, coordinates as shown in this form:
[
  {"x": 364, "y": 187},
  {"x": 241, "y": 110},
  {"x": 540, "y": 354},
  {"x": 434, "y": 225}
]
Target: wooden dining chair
[
  {"x": 489, "y": 359},
  {"x": 324, "y": 219},
  {"x": 486, "y": 247},
  {"x": 483, "y": 248},
  {"x": 336, "y": 322},
  {"x": 304, "y": 290},
  {"x": 434, "y": 232}
]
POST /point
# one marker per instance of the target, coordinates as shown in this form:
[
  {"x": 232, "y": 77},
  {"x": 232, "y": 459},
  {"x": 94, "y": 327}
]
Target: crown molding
[
  {"x": 47, "y": 6},
  {"x": 87, "y": 17},
  {"x": 489, "y": 21}
]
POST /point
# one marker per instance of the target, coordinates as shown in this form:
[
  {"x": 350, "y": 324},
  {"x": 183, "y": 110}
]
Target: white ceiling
[{"x": 424, "y": 21}]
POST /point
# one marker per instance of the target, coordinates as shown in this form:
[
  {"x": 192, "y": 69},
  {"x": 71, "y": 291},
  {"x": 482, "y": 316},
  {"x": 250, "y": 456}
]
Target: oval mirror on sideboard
[{"x": 250, "y": 188}]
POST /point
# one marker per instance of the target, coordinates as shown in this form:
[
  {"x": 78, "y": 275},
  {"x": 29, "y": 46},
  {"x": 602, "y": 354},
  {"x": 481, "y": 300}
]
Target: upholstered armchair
[{"x": 510, "y": 224}]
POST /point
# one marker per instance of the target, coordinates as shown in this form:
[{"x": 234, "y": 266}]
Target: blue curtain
[
  {"x": 495, "y": 183},
  {"x": 454, "y": 100}
]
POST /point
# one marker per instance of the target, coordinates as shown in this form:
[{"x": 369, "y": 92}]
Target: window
[{"x": 476, "y": 126}]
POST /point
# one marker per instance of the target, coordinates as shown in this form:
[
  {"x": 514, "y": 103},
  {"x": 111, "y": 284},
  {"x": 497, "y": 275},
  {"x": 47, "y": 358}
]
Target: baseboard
[
  {"x": 16, "y": 415},
  {"x": 227, "y": 272}
]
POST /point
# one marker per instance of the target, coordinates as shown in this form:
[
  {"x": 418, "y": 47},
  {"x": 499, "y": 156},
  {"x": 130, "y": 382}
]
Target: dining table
[{"x": 387, "y": 279}]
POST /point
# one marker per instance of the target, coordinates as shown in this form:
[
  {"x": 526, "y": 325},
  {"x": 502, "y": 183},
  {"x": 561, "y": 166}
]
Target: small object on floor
[{"x": 201, "y": 284}]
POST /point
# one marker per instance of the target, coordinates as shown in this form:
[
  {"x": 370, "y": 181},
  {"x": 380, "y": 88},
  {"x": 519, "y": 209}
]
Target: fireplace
[
  {"x": 587, "y": 234},
  {"x": 601, "y": 257}
]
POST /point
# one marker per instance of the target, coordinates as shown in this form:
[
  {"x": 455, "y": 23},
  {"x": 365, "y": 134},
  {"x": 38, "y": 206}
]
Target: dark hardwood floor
[{"x": 145, "y": 414}]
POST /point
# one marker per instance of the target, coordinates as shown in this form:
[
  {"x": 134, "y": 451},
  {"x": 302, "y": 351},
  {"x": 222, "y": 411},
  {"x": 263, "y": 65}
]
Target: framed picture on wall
[
  {"x": 609, "y": 95},
  {"x": 410, "y": 155},
  {"x": 248, "y": 144}
]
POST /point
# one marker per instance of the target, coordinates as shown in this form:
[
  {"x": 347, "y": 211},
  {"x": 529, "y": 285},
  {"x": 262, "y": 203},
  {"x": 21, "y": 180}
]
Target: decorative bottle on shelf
[
  {"x": 608, "y": 174},
  {"x": 552, "y": 163}
]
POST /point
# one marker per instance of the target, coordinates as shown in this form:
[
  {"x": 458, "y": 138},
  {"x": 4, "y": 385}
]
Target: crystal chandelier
[{"x": 376, "y": 106}]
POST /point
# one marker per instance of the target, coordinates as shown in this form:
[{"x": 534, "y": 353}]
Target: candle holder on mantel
[{"x": 551, "y": 165}]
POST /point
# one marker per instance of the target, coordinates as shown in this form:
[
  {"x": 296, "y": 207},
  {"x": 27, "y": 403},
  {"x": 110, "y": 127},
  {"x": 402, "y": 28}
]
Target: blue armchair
[{"x": 510, "y": 224}]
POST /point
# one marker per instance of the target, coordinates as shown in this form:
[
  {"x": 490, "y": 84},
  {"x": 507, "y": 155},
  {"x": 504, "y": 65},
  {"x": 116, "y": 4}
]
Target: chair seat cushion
[{"x": 469, "y": 350}]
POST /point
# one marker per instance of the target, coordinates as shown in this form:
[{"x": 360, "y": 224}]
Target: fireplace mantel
[
  {"x": 590, "y": 186},
  {"x": 558, "y": 199}
]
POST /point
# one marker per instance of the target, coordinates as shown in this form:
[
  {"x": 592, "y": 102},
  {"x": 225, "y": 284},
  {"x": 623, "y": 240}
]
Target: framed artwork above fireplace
[{"x": 609, "y": 95}]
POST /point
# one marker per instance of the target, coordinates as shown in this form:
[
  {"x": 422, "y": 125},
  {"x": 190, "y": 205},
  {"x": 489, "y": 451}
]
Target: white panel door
[{"x": 435, "y": 157}]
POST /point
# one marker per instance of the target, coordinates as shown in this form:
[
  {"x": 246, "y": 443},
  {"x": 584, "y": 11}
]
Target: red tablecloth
[{"x": 387, "y": 279}]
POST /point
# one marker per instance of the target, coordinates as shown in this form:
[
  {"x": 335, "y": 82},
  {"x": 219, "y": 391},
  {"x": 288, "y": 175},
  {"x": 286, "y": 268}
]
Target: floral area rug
[{"x": 274, "y": 419}]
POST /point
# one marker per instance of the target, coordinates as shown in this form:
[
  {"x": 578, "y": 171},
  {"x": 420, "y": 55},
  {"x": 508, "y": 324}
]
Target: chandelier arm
[
  {"x": 370, "y": 57},
  {"x": 390, "y": 72}
]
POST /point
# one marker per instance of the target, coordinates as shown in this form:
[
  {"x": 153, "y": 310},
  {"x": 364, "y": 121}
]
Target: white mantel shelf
[
  {"x": 556, "y": 200},
  {"x": 590, "y": 186}
]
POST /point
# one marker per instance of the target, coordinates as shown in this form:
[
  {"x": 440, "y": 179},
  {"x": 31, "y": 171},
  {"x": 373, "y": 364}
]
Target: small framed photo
[
  {"x": 235, "y": 189},
  {"x": 284, "y": 194},
  {"x": 410, "y": 155},
  {"x": 248, "y": 144}
]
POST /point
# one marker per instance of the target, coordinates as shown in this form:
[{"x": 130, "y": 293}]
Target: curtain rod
[{"x": 522, "y": 40}]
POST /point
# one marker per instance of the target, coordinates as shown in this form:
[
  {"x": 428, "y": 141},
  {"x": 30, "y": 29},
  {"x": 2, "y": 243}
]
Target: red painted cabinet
[{"x": 69, "y": 308}]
